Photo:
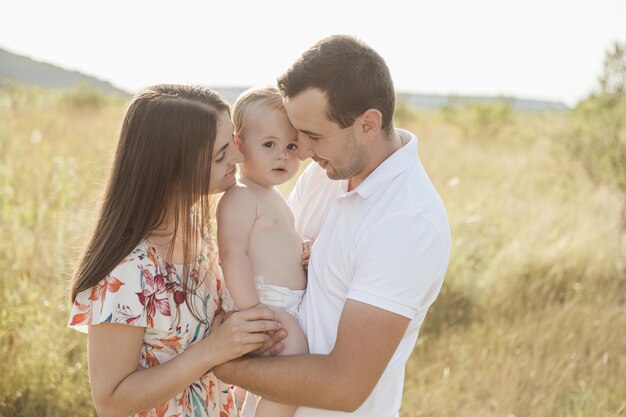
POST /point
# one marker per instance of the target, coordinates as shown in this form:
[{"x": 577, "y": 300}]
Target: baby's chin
[
  {"x": 275, "y": 182},
  {"x": 276, "y": 179}
]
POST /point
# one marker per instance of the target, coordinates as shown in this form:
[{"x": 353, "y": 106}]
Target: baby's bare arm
[{"x": 236, "y": 214}]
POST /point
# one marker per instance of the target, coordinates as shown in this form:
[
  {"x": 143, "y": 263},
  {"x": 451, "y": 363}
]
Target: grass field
[{"x": 530, "y": 321}]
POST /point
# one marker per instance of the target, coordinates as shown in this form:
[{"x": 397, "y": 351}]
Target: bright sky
[{"x": 544, "y": 49}]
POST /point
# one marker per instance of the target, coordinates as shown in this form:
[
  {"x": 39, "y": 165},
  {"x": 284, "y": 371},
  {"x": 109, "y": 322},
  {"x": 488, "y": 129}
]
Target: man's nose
[{"x": 304, "y": 147}]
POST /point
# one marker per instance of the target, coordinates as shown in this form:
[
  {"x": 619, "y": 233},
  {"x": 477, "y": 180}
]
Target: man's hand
[
  {"x": 367, "y": 337},
  {"x": 307, "y": 244},
  {"x": 274, "y": 345}
]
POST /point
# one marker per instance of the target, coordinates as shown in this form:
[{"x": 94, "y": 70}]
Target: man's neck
[{"x": 387, "y": 146}]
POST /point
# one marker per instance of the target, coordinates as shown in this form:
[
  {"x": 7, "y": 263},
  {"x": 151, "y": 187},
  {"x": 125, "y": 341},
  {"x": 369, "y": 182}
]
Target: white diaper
[{"x": 271, "y": 295}]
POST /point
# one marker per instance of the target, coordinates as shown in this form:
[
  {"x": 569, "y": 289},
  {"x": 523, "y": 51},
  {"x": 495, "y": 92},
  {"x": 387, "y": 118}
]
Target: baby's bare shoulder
[
  {"x": 237, "y": 193},
  {"x": 237, "y": 198}
]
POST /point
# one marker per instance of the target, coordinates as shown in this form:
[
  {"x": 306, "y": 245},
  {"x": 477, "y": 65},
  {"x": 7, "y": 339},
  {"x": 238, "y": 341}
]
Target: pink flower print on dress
[
  {"x": 154, "y": 286},
  {"x": 179, "y": 297}
]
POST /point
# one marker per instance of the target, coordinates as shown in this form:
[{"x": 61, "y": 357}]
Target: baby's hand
[{"x": 306, "y": 253}]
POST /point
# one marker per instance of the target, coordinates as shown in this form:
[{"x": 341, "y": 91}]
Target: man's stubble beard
[{"x": 356, "y": 161}]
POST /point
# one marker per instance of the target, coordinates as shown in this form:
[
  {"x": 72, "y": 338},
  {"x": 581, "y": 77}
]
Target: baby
[{"x": 260, "y": 250}]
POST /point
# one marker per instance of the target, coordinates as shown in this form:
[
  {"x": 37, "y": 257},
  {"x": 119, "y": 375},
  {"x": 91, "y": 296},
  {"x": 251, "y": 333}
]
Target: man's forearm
[{"x": 303, "y": 380}]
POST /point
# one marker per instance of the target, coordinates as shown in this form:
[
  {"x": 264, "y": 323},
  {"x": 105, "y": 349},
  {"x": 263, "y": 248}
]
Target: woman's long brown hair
[{"x": 162, "y": 162}]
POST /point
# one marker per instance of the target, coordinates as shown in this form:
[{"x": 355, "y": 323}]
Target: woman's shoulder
[
  {"x": 125, "y": 293},
  {"x": 142, "y": 257}
]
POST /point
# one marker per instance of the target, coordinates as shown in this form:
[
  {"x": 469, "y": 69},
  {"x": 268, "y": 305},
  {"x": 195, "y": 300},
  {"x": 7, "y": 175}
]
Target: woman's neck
[{"x": 167, "y": 238}]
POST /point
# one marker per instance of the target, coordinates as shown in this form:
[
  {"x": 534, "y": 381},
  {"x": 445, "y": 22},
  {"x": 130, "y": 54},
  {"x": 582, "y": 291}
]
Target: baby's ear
[{"x": 237, "y": 142}]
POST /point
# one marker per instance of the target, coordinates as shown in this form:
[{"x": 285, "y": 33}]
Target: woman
[{"x": 147, "y": 288}]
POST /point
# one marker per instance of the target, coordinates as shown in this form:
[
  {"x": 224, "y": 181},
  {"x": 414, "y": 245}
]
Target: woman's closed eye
[{"x": 221, "y": 156}]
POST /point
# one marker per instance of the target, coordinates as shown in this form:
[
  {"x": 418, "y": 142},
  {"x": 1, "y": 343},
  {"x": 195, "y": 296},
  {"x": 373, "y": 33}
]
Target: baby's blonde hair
[{"x": 251, "y": 99}]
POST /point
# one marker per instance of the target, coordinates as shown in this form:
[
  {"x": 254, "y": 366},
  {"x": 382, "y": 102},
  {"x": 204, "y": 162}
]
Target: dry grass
[{"x": 529, "y": 323}]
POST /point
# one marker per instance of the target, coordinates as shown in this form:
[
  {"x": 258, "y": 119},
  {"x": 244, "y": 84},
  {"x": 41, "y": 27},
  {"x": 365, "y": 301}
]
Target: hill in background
[
  {"x": 23, "y": 70},
  {"x": 432, "y": 101},
  {"x": 26, "y": 71}
]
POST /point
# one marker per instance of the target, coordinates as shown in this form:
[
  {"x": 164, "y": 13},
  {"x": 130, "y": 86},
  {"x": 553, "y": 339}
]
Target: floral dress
[{"x": 145, "y": 291}]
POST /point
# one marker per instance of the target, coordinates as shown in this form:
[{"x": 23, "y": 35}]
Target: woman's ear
[{"x": 371, "y": 122}]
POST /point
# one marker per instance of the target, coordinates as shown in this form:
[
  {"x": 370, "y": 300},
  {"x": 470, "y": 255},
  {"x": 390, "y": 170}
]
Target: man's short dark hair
[{"x": 353, "y": 76}]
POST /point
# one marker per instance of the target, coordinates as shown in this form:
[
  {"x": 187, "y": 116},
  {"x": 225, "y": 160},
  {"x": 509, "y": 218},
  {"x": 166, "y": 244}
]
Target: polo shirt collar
[{"x": 394, "y": 165}]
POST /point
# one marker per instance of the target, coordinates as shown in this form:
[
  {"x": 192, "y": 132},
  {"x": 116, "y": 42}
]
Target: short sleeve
[
  {"x": 400, "y": 265},
  {"x": 134, "y": 293}
]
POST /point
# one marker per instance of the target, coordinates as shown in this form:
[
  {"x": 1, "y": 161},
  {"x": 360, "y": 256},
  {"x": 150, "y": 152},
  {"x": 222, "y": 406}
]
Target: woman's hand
[{"x": 243, "y": 332}]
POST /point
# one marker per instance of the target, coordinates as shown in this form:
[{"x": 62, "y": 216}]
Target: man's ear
[{"x": 371, "y": 122}]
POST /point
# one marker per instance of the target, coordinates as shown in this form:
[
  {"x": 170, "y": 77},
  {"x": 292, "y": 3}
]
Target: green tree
[
  {"x": 613, "y": 78},
  {"x": 598, "y": 134}
]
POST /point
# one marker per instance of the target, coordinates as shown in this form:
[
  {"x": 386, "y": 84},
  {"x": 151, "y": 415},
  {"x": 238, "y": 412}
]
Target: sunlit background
[
  {"x": 520, "y": 110},
  {"x": 550, "y": 50}
]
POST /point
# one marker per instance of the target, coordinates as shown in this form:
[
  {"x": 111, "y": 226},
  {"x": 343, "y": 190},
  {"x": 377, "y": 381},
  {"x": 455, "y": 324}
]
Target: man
[{"x": 382, "y": 240}]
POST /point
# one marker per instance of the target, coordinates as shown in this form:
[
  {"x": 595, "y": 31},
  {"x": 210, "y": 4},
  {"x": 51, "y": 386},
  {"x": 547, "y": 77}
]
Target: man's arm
[
  {"x": 369, "y": 332},
  {"x": 367, "y": 338}
]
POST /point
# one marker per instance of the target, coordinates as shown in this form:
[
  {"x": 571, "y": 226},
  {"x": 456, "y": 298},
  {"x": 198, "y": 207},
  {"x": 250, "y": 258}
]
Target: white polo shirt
[{"x": 386, "y": 243}]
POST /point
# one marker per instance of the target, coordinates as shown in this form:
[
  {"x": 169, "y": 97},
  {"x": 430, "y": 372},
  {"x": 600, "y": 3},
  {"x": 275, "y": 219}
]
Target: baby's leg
[{"x": 295, "y": 344}]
